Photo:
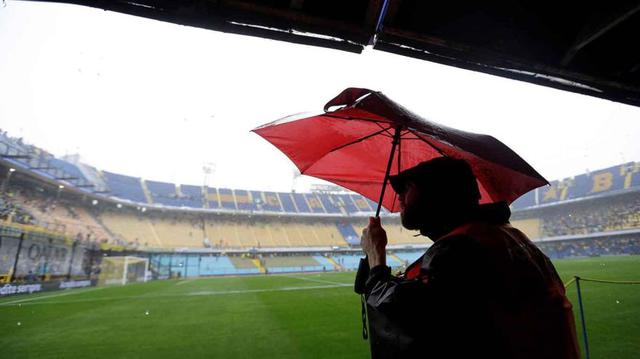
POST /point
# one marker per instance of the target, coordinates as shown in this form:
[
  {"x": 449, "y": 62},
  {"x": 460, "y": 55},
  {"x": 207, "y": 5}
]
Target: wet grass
[{"x": 291, "y": 316}]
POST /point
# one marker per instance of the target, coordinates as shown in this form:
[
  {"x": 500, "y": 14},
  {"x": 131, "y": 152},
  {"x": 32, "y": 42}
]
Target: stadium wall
[{"x": 43, "y": 256}]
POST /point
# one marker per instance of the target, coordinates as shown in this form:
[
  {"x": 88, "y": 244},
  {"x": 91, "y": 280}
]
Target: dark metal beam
[
  {"x": 26, "y": 157},
  {"x": 84, "y": 185},
  {"x": 466, "y": 57},
  {"x": 595, "y": 32},
  {"x": 296, "y": 4}
]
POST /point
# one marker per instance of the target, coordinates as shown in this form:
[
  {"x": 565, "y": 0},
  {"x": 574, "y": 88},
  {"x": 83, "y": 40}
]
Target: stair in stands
[
  {"x": 147, "y": 194},
  {"x": 258, "y": 264},
  {"x": 335, "y": 264}
]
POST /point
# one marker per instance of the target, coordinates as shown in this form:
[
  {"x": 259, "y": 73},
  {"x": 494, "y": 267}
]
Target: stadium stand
[
  {"x": 131, "y": 229},
  {"x": 287, "y": 202},
  {"x": 325, "y": 263},
  {"x": 11, "y": 212},
  {"x": 216, "y": 265},
  {"x": 271, "y": 202},
  {"x": 244, "y": 200},
  {"x": 191, "y": 196},
  {"x": 619, "y": 212},
  {"x": 178, "y": 232},
  {"x": 347, "y": 261},
  {"x": 125, "y": 187},
  {"x": 174, "y": 229},
  {"x": 361, "y": 204},
  {"x": 329, "y": 202},
  {"x": 213, "y": 200},
  {"x": 190, "y": 230},
  {"x": 348, "y": 233},
  {"x": 530, "y": 226},
  {"x": 67, "y": 167},
  {"x": 276, "y": 264},
  {"x": 301, "y": 203},
  {"x": 60, "y": 216},
  {"x": 244, "y": 264},
  {"x": 227, "y": 199},
  {"x": 592, "y": 247},
  {"x": 163, "y": 193},
  {"x": 167, "y": 229}
]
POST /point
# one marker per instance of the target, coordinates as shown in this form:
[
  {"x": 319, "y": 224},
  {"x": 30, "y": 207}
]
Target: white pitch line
[
  {"x": 317, "y": 280},
  {"x": 69, "y": 292}
]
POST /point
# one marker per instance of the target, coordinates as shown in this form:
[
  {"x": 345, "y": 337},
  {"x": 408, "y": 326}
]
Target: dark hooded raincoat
[{"x": 483, "y": 290}]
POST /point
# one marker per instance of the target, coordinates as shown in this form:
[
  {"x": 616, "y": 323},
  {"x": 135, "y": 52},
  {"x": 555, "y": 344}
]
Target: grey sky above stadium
[{"x": 157, "y": 100}]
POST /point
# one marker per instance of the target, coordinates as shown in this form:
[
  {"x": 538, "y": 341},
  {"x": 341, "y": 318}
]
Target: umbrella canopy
[{"x": 363, "y": 136}]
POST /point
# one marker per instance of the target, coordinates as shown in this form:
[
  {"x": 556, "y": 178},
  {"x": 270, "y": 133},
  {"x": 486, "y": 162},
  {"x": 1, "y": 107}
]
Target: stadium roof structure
[{"x": 583, "y": 47}]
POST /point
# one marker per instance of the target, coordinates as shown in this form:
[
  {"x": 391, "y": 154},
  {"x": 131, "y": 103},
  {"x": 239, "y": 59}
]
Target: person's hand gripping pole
[{"x": 374, "y": 242}]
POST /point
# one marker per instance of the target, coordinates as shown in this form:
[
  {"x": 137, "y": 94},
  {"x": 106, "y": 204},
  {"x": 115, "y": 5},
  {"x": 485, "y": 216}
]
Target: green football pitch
[{"x": 279, "y": 316}]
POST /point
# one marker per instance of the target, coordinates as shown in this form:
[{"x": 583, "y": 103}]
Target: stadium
[
  {"x": 109, "y": 264},
  {"x": 71, "y": 225}
]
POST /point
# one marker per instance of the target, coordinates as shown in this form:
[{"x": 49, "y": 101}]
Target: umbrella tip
[{"x": 346, "y": 98}]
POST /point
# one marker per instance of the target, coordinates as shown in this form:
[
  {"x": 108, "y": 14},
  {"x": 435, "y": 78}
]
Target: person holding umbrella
[
  {"x": 483, "y": 287},
  {"x": 482, "y": 290}
]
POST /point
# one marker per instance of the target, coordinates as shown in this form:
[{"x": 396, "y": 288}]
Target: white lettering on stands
[
  {"x": 8, "y": 289},
  {"x": 75, "y": 284}
]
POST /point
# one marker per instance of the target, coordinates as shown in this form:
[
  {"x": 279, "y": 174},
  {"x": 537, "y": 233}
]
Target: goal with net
[{"x": 123, "y": 270}]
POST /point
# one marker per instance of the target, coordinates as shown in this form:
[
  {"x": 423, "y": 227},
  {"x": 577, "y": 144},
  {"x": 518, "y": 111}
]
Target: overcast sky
[{"x": 158, "y": 100}]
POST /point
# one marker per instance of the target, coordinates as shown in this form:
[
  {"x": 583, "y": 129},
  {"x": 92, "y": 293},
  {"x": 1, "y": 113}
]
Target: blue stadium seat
[
  {"x": 325, "y": 263},
  {"x": 271, "y": 202},
  {"x": 125, "y": 187},
  {"x": 212, "y": 198},
  {"x": 301, "y": 203},
  {"x": 361, "y": 203},
  {"x": 349, "y": 234},
  {"x": 226, "y": 198},
  {"x": 287, "y": 202},
  {"x": 217, "y": 265},
  {"x": 244, "y": 200},
  {"x": 348, "y": 261},
  {"x": 314, "y": 203},
  {"x": 329, "y": 202},
  {"x": 347, "y": 203},
  {"x": 163, "y": 193},
  {"x": 68, "y": 168},
  {"x": 524, "y": 201},
  {"x": 410, "y": 257},
  {"x": 191, "y": 196}
]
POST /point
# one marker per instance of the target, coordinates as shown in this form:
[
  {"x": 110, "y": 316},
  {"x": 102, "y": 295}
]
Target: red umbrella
[{"x": 362, "y": 137}]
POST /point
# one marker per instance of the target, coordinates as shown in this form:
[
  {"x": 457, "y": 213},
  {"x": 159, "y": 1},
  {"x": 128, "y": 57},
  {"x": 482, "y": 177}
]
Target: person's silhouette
[{"x": 483, "y": 289}]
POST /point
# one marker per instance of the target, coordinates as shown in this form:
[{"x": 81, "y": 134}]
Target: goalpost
[{"x": 123, "y": 270}]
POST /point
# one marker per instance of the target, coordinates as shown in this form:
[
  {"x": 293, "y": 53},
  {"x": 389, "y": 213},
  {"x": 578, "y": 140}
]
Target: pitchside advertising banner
[{"x": 29, "y": 288}]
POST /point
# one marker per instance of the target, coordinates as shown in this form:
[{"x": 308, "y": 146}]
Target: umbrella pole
[
  {"x": 394, "y": 143},
  {"x": 363, "y": 268}
]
